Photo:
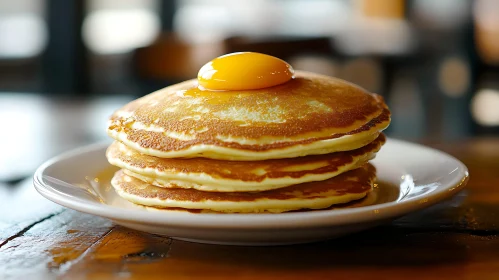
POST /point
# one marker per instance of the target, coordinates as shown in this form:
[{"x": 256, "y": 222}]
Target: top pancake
[{"x": 311, "y": 114}]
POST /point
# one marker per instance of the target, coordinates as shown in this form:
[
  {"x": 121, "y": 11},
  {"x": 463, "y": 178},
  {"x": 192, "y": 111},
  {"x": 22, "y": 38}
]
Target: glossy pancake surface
[
  {"x": 311, "y": 114},
  {"x": 230, "y": 176},
  {"x": 351, "y": 185}
]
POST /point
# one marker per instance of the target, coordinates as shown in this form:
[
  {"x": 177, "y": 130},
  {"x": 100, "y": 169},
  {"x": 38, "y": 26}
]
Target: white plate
[{"x": 413, "y": 177}]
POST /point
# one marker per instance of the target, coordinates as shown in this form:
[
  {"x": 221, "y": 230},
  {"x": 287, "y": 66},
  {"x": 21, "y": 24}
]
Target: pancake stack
[{"x": 304, "y": 144}]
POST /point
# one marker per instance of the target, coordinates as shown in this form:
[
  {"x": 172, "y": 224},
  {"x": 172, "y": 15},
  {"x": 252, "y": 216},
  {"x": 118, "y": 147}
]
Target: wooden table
[{"x": 457, "y": 239}]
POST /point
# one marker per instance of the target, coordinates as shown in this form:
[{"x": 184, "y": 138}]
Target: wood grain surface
[{"x": 456, "y": 239}]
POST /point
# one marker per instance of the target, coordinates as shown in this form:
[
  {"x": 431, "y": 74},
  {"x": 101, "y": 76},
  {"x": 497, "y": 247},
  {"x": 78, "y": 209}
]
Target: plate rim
[{"x": 318, "y": 218}]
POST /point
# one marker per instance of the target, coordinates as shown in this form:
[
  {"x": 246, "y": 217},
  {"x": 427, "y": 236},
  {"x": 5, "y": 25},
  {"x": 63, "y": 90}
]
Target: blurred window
[
  {"x": 23, "y": 38},
  {"x": 23, "y": 31},
  {"x": 201, "y": 21},
  {"x": 119, "y": 26}
]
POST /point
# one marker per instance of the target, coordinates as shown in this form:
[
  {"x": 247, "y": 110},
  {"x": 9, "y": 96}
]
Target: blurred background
[{"x": 66, "y": 65}]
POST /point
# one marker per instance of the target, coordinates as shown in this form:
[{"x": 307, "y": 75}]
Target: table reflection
[{"x": 35, "y": 128}]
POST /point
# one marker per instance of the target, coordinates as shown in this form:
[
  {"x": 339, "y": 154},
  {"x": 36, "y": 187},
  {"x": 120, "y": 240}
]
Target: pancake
[
  {"x": 370, "y": 199},
  {"x": 229, "y": 176},
  {"x": 349, "y": 186},
  {"x": 309, "y": 115}
]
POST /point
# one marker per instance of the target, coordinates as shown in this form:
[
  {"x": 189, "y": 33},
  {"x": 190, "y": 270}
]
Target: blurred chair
[{"x": 170, "y": 60}]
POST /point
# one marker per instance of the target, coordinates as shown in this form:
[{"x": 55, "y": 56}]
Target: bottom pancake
[{"x": 349, "y": 186}]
